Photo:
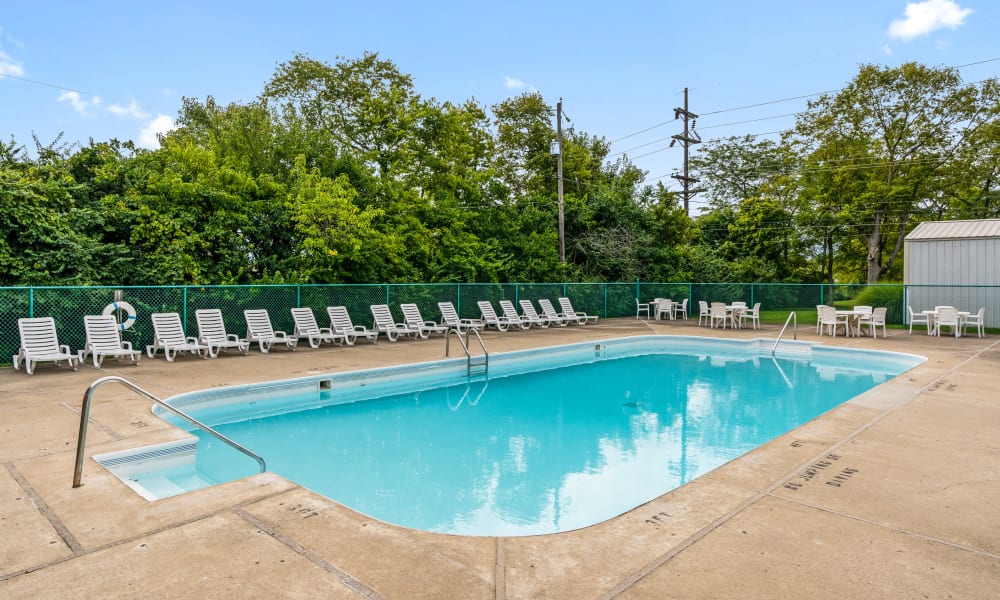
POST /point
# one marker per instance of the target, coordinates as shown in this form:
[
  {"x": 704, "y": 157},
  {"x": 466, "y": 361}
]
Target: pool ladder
[
  {"x": 85, "y": 417},
  {"x": 481, "y": 362}
]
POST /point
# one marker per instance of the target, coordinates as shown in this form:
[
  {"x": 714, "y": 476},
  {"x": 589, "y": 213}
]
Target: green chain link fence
[{"x": 68, "y": 305}]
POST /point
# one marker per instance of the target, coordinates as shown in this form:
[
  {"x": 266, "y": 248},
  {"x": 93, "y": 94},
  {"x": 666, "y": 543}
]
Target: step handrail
[
  {"x": 81, "y": 441},
  {"x": 465, "y": 346},
  {"x": 795, "y": 331}
]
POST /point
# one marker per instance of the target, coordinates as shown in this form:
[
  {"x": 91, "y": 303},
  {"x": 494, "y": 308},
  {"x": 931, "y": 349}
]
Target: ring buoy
[{"x": 129, "y": 319}]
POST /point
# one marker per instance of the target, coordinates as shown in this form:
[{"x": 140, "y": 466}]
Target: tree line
[{"x": 343, "y": 173}]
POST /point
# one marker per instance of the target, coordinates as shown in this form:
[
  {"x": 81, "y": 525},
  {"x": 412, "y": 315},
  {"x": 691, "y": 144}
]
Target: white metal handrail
[
  {"x": 81, "y": 441},
  {"x": 795, "y": 330},
  {"x": 465, "y": 347}
]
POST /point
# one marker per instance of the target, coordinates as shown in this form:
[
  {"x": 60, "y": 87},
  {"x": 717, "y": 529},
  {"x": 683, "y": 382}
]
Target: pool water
[{"x": 544, "y": 444}]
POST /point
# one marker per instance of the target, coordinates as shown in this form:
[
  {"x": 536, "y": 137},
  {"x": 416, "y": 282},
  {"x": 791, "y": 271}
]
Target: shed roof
[{"x": 954, "y": 230}]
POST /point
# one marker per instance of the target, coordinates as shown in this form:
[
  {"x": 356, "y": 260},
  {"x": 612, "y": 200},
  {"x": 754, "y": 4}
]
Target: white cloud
[
  {"x": 921, "y": 18},
  {"x": 888, "y": 49},
  {"x": 79, "y": 104},
  {"x": 8, "y": 66},
  {"x": 132, "y": 110},
  {"x": 159, "y": 125},
  {"x": 512, "y": 83}
]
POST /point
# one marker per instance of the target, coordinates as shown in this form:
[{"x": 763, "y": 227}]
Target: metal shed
[{"x": 955, "y": 263}]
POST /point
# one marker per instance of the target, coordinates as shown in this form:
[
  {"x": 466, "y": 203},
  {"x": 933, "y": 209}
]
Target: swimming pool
[{"x": 554, "y": 439}]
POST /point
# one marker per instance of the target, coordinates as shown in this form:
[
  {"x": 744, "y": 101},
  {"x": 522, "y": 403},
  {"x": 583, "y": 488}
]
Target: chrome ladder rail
[
  {"x": 81, "y": 441},
  {"x": 465, "y": 346},
  {"x": 795, "y": 330}
]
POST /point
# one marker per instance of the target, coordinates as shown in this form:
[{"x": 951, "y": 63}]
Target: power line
[
  {"x": 37, "y": 82},
  {"x": 779, "y": 100}
]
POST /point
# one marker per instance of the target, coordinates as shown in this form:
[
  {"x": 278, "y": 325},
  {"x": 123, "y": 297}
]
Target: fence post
[
  {"x": 31, "y": 302},
  {"x": 184, "y": 317},
  {"x": 387, "y": 292},
  {"x": 751, "y": 293},
  {"x": 605, "y": 300}
]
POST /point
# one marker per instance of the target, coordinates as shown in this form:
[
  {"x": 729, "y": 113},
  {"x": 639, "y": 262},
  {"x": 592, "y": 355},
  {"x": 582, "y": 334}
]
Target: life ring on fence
[{"x": 129, "y": 319}]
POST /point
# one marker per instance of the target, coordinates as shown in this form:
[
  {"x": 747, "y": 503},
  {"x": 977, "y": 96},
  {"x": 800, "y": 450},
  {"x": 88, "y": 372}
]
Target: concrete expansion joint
[
  {"x": 889, "y": 527},
  {"x": 343, "y": 576}
]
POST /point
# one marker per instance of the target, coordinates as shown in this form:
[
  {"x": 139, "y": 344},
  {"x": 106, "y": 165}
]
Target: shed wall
[{"x": 964, "y": 273}]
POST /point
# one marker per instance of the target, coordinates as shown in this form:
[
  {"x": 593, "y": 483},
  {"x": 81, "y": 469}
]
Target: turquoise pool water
[{"x": 553, "y": 440}]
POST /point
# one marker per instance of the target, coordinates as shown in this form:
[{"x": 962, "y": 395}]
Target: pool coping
[{"x": 714, "y": 536}]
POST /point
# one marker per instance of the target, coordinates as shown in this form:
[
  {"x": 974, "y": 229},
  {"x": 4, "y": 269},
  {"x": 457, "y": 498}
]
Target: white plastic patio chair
[
  {"x": 306, "y": 328},
  {"x": 947, "y": 316},
  {"x": 873, "y": 321},
  {"x": 977, "y": 320},
  {"x": 39, "y": 343},
  {"x": 641, "y": 308},
  {"x": 528, "y": 312},
  {"x": 104, "y": 339},
  {"x": 567, "y": 309},
  {"x": 490, "y": 317},
  {"x": 751, "y": 315},
  {"x": 450, "y": 318},
  {"x": 259, "y": 330},
  {"x": 703, "y": 312},
  {"x": 717, "y": 314},
  {"x": 829, "y": 319},
  {"x": 168, "y": 335},
  {"x": 385, "y": 323},
  {"x": 681, "y": 309},
  {"x": 341, "y": 323},
  {"x": 512, "y": 316},
  {"x": 212, "y": 332},
  {"x": 414, "y": 320},
  {"x": 919, "y": 319}
]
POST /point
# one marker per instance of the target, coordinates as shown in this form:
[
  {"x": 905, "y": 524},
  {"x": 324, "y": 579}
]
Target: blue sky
[{"x": 119, "y": 69}]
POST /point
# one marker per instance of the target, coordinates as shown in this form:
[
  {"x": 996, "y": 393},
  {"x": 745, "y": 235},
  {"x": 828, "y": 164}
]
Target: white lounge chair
[
  {"x": 341, "y": 323},
  {"x": 490, "y": 318},
  {"x": 104, "y": 339},
  {"x": 307, "y": 328},
  {"x": 528, "y": 312},
  {"x": 450, "y": 318},
  {"x": 385, "y": 323},
  {"x": 554, "y": 317},
  {"x": 510, "y": 313},
  {"x": 168, "y": 335},
  {"x": 39, "y": 343},
  {"x": 212, "y": 332},
  {"x": 259, "y": 330},
  {"x": 414, "y": 320},
  {"x": 567, "y": 309}
]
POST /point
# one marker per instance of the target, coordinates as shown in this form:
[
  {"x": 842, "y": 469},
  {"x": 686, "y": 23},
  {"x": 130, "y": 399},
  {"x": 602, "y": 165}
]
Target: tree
[{"x": 895, "y": 128}]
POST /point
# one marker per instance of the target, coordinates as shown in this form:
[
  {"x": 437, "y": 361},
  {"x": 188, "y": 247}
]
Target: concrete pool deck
[{"x": 895, "y": 493}]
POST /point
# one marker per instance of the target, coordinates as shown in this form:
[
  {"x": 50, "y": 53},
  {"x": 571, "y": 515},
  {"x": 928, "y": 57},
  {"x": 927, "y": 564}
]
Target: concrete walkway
[{"x": 894, "y": 494}]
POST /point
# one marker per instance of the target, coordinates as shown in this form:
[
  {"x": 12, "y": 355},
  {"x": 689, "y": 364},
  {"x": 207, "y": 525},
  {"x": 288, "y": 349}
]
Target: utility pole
[
  {"x": 687, "y": 139},
  {"x": 562, "y": 222}
]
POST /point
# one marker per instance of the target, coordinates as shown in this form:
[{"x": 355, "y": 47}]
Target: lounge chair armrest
[
  {"x": 232, "y": 337},
  {"x": 64, "y": 348},
  {"x": 325, "y": 331},
  {"x": 127, "y": 345},
  {"x": 191, "y": 340}
]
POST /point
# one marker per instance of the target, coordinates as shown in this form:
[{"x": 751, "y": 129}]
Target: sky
[{"x": 110, "y": 69}]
